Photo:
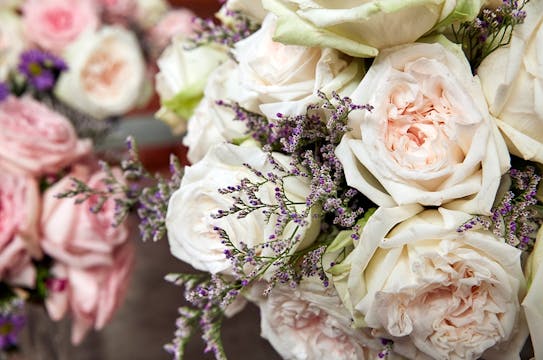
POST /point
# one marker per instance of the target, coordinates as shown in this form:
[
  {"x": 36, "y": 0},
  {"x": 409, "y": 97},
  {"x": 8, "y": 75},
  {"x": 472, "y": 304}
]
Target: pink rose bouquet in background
[{"x": 360, "y": 173}]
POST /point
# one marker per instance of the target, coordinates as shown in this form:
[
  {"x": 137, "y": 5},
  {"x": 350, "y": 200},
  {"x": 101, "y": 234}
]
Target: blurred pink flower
[
  {"x": 174, "y": 22},
  {"x": 36, "y": 140}
]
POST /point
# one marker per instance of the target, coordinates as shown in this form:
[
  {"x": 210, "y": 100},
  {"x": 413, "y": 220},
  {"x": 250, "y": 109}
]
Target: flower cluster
[{"x": 367, "y": 174}]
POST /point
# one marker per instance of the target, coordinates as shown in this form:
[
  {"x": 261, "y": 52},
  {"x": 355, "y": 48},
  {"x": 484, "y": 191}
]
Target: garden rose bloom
[
  {"x": 90, "y": 294},
  {"x": 362, "y": 27},
  {"x": 73, "y": 234},
  {"x": 174, "y": 22},
  {"x": 36, "y": 139},
  {"x": 533, "y": 300},
  {"x": 150, "y": 11},
  {"x": 429, "y": 139},
  {"x": 107, "y": 73},
  {"x": 190, "y": 224},
  {"x": 284, "y": 78},
  {"x": 181, "y": 80},
  {"x": 309, "y": 322},
  {"x": 212, "y": 123},
  {"x": 512, "y": 79},
  {"x": 54, "y": 24},
  {"x": 12, "y": 42},
  {"x": 451, "y": 295},
  {"x": 19, "y": 209}
]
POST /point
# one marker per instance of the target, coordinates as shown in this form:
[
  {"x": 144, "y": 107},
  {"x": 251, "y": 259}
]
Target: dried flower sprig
[
  {"x": 138, "y": 190},
  {"x": 518, "y": 216},
  {"x": 233, "y": 27},
  {"x": 491, "y": 30}
]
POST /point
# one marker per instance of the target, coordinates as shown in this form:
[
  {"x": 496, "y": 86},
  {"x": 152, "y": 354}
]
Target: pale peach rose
[
  {"x": 309, "y": 322},
  {"x": 54, "y": 24},
  {"x": 107, "y": 73},
  {"x": 90, "y": 294},
  {"x": 174, "y": 22},
  {"x": 434, "y": 290},
  {"x": 35, "y": 139},
  {"x": 19, "y": 212},
  {"x": 429, "y": 139},
  {"x": 72, "y": 233}
]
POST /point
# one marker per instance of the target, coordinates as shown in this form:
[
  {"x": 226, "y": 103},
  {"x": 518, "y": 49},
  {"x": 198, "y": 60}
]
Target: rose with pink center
[
  {"x": 309, "y": 322},
  {"x": 54, "y": 24},
  {"x": 35, "y": 139},
  {"x": 429, "y": 139}
]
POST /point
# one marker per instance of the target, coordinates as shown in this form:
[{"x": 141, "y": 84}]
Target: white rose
[
  {"x": 251, "y": 8},
  {"x": 189, "y": 222},
  {"x": 12, "y": 42},
  {"x": 451, "y": 295},
  {"x": 362, "y": 27},
  {"x": 533, "y": 301},
  {"x": 309, "y": 322},
  {"x": 512, "y": 79},
  {"x": 149, "y": 12},
  {"x": 107, "y": 73},
  {"x": 284, "y": 78},
  {"x": 429, "y": 138},
  {"x": 181, "y": 79},
  {"x": 212, "y": 123}
]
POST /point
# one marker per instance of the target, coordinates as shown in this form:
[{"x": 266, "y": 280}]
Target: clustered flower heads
[{"x": 371, "y": 208}]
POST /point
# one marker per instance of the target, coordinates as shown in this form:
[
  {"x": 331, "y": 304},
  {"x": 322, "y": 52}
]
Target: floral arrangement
[
  {"x": 68, "y": 71},
  {"x": 368, "y": 174},
  {"x": 110, "y": 47}
]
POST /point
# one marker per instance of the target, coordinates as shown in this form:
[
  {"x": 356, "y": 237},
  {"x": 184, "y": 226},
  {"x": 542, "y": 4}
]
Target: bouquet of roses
[
  {"x": 368, "y": 173},
  {"x": 110, "y": 47}
]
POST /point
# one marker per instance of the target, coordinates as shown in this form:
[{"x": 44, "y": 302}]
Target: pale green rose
[
  {"x": 12, "y": 41},
  {"x": 512, "y": 80},
  {"x": 533, "y": 302},
  {"x": 362, "y": 27},
  {"x": 182, "y": 76},
  {"x": 435, "y": 292}
]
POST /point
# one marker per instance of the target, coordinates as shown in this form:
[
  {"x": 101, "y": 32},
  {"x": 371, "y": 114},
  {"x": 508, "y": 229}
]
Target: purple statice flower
[
  {"x": 4, "y": 91},
  {"x": 41, "y": 69},
  {"x": 11, "y": 323}
]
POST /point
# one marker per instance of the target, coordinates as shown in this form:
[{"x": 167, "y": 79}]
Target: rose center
[{"x": 59, "y": 19}]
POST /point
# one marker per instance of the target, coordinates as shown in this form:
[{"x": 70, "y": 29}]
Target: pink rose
[
  {"x": 53, "y": 24},
  {"x": 19, "y": 208},
  {"x": 36, "y": 140},
  {"x": 74, "y": 235},
  {"x": 175, "y": 22},
  {"x": 92, "y": 294}
]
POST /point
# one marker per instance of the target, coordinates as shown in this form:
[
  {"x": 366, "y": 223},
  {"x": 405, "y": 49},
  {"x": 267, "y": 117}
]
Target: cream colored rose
[
  {"x": 107, "y": 73},
  {"x": 189, "y": 222},
  {"x": 512, "y": 80},
  {"x": 533, "y": 301},
  {"x": 429, "y": 138},
  {"x": 181, "y": 79},
  {"x": 12, "y": 42},
  {"x": 362, "y": 27},
  {"x": 449, "y": 295},
  {"x": 212, "y": 123},
  {"x": 149, "y": 12},
  {"x": 309, "y": 322},
  {"x": 284, "y": 78}
]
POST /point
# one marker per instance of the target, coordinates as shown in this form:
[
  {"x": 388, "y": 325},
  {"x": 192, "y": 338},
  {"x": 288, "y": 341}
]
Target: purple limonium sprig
[
  {"x": 517, "y": 217},
  {"x": 41, "y": 69},
  {"x": 4, "y": 91},
  {"x": 387, "y": 348},
  {"x": 12, "y": 321},
  {"x": 234, "y": 27},
  {"x": 491, "y": 30}
]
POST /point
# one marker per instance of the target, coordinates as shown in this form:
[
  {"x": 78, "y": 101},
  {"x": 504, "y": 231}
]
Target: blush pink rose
[
  {"x": 73, "y": 234},
  {"x": 53, "y": 24},
  {"x": 92, "y": 294},
  {"x": 19, "y": 209},
  {"x": 36, "y": 140},
  {"x": 175, "y": 22}
]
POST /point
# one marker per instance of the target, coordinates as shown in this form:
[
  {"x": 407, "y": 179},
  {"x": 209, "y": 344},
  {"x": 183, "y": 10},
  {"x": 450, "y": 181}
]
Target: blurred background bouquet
[{"x": 70, "y": 73}]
